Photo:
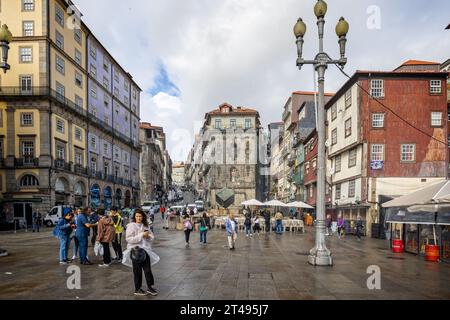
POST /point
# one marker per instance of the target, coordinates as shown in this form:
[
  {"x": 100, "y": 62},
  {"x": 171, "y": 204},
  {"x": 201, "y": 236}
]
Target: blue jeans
[
  {"x": 203, "y": 236},
  {"x": 248, "y": 229},
  {"x": 83, "y": 247},
  {"x": 75, "y": 246},
  {"x": 64, "y": 245},
  {"x": 279, "y": 227}
]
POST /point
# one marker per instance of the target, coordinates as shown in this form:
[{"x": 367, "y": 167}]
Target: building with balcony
[
  {"x": 178, "y": 174},
  {"x": 60, "y": 142}
]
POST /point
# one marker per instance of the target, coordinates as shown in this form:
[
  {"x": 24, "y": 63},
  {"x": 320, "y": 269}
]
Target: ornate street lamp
[
  {"x": 5, "y": 40},
  {"x": 320, "y": 255}
]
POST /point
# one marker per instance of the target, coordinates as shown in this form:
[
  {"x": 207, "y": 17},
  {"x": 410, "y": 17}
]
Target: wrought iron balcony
[
  {"x": 79, "y": 169},
  {"x": 27, "y": 161},
  {"x": 61, "y": 164}
]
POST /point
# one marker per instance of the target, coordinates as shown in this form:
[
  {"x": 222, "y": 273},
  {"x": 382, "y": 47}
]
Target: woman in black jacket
[{"x": 205, "y": 224}]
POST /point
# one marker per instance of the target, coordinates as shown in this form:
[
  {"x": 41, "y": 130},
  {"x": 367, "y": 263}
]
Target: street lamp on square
[
  {"x": 5, "y": 40},
  {"x": 320, "y": 255}
]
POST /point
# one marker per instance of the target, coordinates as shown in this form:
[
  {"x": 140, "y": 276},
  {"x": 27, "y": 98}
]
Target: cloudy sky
[{"x": 190, "y": 56}]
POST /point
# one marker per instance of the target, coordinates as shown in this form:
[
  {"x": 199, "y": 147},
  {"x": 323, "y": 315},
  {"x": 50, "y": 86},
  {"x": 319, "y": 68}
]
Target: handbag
[{"x": 138, "y": 255}]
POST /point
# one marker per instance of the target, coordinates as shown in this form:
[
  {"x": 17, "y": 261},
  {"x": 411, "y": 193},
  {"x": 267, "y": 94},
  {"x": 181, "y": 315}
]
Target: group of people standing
[
  {"x": 108, "y": 229},
  {"x": 341, "y": 226}
]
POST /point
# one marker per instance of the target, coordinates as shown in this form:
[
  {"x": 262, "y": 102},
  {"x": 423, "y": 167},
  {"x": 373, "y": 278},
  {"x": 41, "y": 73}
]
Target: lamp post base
[{"x": 320, "y": 258}]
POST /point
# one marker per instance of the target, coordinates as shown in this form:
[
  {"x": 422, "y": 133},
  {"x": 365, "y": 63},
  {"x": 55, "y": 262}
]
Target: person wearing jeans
[
  {"x": 204, "y": 225},
  {"x": 65, "y": 226},
  {"x": 279, "y": 223},
  {"x": 82, "y": 235},
  {"x": 231, "y": 226},
  {"x": 248, "y": 224},
  {"x": 117, "y": 243},
  {"x": 187, "y": 228}
]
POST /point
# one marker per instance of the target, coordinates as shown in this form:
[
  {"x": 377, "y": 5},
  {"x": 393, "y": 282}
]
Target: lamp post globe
[
  {"x": 5, "y": 40},
  {"x": 342, "y": 27},
  {"x": 320, "y": 9},
  {"x": 299, "y": 28}
]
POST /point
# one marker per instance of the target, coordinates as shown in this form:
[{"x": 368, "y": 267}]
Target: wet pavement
[{"x": 262, "y": 268}]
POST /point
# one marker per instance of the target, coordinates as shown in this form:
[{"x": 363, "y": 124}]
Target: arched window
[{"x": 29, "y": 181}]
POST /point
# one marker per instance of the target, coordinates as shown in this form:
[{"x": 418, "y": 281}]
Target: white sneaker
[
  {"x": 74, "y": 258},
  {"x": 104, "y": 265}
]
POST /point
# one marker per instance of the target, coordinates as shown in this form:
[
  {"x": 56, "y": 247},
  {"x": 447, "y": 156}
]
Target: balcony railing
[
  {"x": 62, "y": 164},
  {"x": 79, "y": 169},
  {"x": 46, "y": 92},
  {"x": 26, "y": 162}
]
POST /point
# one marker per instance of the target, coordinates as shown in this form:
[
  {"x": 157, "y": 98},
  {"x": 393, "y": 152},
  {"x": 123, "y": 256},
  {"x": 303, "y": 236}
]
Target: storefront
[
  {"x": 95, "y": 196},
  {"x": 118, "y": 198}
]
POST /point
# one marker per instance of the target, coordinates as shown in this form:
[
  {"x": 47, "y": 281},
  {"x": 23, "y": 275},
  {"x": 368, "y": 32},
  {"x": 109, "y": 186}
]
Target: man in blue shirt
[{"x": 82, "y": 234}]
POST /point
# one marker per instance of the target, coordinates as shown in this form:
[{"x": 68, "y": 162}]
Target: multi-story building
[
  {"x": 226, "y": 155},
  {"x": 152, "y": 161},
  {"x": 178, "y": 174},
  {"x": 167, "y": 171},
  {"x": 50, "y": 114},
  {"x": 276, "y": 134},
  {"x": 445, "y": 67},
  {"x": 373, "y": 151}
]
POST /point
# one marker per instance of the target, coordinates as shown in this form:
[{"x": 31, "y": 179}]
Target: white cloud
[{"x": 243, "y": 51}]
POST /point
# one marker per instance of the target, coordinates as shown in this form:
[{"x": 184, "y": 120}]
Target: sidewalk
[{"x": 266, "y": 267}]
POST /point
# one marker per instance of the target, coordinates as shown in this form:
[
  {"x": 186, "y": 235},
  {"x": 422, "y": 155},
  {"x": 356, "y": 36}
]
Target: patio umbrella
[
  {"x": 252, "y": 202},
  {"x": 299, "y": 204},
  {"x": 275, "y": 203}
]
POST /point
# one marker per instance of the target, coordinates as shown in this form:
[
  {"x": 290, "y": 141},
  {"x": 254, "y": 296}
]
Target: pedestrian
[
  {"x": 292, "y": 214},
  {"x": 341, "y": 226},
  {"x": 118, "y": 226},
  {"x": 279, "y": 223},
  {"x": 256, "y": 226},
  {"x": 82, "y": 234},
  {"x": 329, "y": 223},
  {"x": 359, "y": 227},
  {"x": 231, "y": 226},
  {"x": 205, "y": 224},
  {"x": 73, "y": 236},
  {"x": 248, "y": 224},
  {"x": 93, "y": 219},
  {"x": 162, "y": 210},
  {"x": 105, "y": 236},
  {"x": 139, "y": 254},
  {"x": 37, "y": 220},
  {"x": 266, "y": 215},
  {"x": 63, "y": 230},
  {"x": 187, "y": 223}
]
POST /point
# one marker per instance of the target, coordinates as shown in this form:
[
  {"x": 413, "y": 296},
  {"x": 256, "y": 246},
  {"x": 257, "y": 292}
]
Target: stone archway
[
  {"x": 62, "y": 191},
  {"x": 95, "y": 196},
  {"x": 107, "y": 193},
  {"x": 127, "y": 199},
  {"x": 118, "y": 199},
  {"x": 80, "y": 194}
]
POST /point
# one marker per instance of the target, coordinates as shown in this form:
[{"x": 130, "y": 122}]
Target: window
[
  {"x": 78, "y": 134},
  {"x": 28, "y": 28},
  {"x": 126, "y": 157},
  {"x": 107, "y": 120},
  {"x": 106, "y": 168},
  {"x": 248, "y": 123},
  {"x": 29, "y": 181},
  {"x": 436, "y": 119},
  {"x": 126, "y": 86},
  {"x": 348, "y": 128},
  {"x": 116, "y": 75},
  {"x": 351, "y": 189},
  {"x": 60, "y": 152},
  {"x": 116, "y": 92},
  {"x": 377, "y": 88},
  {"x": 78, "y": 57},
  {"x": 60, "y": 92},
  {"x": 60, "y": 65},
  {"x": 348, "y": 99},
  {"x": 77, "y": 35},
  {"x": 94, "y": 166},
  {"x": 59, "y": 40},
  {"x": 78, "y": 158},
  {"x": 378, "y": 120},
  {"x": 106, "y": 102},
  {"x": 377, "y": 152},
  {"x": 233, "y": 123},
  {"x": 134, "y": 93},
  {"x": 307, "y": 168},
  {"x": 105, "y": 148},
  {"x": 26, "y": 83},
  {"x": 60, "y": 125},
  {"x": 338, "y": 192},
  {"x": 93, "y": 52},
  {"x": 218, "y": 124},
  {"x": 28, "y": 151},
  {"x": 26, "y": 119},
  {"x": 334, "y": 137},
  {"x": 116, "y": 153},
  {"x": 448, "y": 139},
  {"x": 127, "y": 102},
  {"x": 94, "y": 92},
  {"x": 352, "y": 158},
  {"x": 59, "y": 15},
  {"x": 334, "y": 112},
  {"x": 93, "y": 71},
  {"x": 106, "y": 65},
  {"x": 408, "y": 153},
  {"x": 93, "y": 143},
  {"x": 78, "y": 79},
  {"x": 435, "y": 86},
  {"x": 27, "y": 5},
  {"x": 78, "y": 101},
  {"x": 314, "y": 164},
  {"x": 26, "y": 55},
  {"x": 106, "y": 82},
  {"x": 311, "y": 191},
  {"x": 338, "y": 163}
]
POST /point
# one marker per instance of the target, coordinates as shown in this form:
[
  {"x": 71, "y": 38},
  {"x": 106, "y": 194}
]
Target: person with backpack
[
  {"x": 188, "y": 226},
  {"x": 248, "y": 224},
  {"x": 62, "y": 231},
  {"x": 139, "y": 254},
  {"x": 205, "y": 224},
  {"x": 106, "y": 234}
]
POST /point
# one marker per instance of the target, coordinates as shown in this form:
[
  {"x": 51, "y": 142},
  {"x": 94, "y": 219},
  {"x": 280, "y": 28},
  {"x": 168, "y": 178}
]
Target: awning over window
[
  {"x": 403, "y": 216},
  {"x": 443, "y": 218}
]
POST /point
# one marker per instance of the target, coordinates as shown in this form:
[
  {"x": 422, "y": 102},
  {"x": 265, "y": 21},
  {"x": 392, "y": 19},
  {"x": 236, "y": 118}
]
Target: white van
[
  {"x": 56, "y": 213},
  {"x": 147, "y": 205}
]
